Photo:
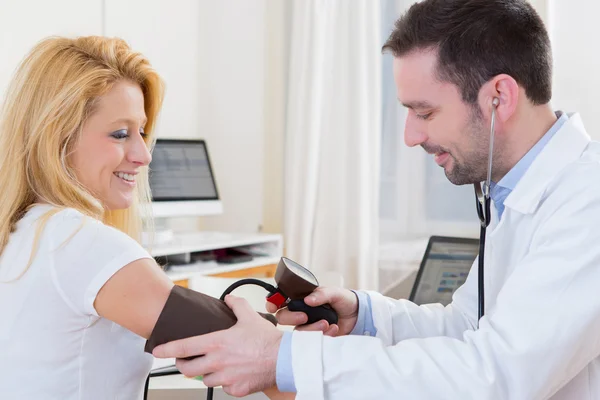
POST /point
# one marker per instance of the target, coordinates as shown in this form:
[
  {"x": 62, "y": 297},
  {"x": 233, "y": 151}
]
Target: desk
[
  {"x": 267, "y": 250},
  {"x": 178, "y": 387}
]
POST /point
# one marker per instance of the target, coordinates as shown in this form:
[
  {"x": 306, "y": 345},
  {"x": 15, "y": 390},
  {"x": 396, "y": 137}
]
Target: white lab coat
[{"x": 540, "y": 337}]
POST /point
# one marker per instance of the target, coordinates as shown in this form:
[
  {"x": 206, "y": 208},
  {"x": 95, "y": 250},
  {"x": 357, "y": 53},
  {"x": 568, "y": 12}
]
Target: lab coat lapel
[
  {"x": 504, "y": 236},
  {"x": 565, "y": 147}
]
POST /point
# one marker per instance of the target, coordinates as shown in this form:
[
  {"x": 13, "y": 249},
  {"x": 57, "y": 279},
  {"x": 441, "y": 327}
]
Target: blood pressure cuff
[{"x": 189, "y": 313}]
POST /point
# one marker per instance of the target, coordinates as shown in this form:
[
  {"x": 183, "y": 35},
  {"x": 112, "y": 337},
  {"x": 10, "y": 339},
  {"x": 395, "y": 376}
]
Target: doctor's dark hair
[{"x": 477, "y": 40}]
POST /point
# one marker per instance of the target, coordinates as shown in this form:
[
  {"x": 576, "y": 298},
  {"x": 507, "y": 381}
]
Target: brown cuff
[{"x": 189, "y": 313}]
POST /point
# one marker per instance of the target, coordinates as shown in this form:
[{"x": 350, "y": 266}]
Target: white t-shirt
[{"x": 53, "y": 344}]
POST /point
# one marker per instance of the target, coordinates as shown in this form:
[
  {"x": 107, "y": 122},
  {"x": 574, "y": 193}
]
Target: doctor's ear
[{"x": 501, "y": 92}]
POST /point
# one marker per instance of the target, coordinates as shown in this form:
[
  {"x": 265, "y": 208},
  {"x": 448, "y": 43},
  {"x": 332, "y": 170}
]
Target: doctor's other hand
[
  {"x": 241, "y": 359},
  {"x": 343, "y": 301}
]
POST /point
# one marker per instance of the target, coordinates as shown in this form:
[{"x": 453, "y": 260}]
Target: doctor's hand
[
  {"x": 241, "y": 359},
  {"x": 343, "y": 301}
]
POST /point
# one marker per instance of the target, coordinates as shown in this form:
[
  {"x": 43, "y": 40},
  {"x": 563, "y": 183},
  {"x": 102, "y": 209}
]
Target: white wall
[
  {"x": 168, "y": 34},
  {"x": 218, "y": 59},
  {"x": 574, "y": 33},
  {"x": 23, "y": 23},
  {"x": 232, "y": 106},
  {"x": 224, "y": 66},
  {"x": 277, "y": 53},
  {"x": 541, "y": 6}
]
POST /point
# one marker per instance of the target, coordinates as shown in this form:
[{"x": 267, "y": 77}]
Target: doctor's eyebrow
[{"x": 417, "y": 105}]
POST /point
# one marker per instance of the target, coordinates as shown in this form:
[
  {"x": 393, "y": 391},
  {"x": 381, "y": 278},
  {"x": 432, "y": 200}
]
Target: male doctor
[{"x": 540, "y": 336}]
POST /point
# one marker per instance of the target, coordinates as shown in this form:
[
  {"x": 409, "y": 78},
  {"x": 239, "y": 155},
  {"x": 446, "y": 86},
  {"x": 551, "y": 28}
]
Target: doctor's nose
[{"x": 413, "y": 136}]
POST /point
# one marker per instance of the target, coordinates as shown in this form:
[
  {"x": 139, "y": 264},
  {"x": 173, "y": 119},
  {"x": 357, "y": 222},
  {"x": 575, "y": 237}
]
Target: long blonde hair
[{"x": 52, "y": 93}]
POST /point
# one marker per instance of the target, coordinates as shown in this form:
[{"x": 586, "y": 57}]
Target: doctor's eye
[{"x": 424, "y": 117}]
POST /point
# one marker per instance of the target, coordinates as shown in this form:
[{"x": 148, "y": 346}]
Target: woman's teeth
[{"x": 126, "y": 177}]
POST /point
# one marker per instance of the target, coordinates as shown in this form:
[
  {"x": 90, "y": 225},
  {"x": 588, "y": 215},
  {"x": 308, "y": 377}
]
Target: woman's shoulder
[
  {"x": 52, "y": 213},
  {"x": 65, "y": 224},
  {"x": 54, "y": 218}
]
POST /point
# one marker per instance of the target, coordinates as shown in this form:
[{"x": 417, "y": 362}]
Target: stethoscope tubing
[{"x": 483, "y": 202}]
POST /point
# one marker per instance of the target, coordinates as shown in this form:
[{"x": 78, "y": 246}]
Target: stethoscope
[{"x": 482, "y": 195}]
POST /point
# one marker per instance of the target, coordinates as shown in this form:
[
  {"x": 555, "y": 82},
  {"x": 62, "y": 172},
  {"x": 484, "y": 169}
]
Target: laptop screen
[{"x": 444, "y": 268}]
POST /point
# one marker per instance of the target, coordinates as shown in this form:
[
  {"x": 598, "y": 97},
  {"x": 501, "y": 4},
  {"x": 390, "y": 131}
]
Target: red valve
[{"x": 277, "y": 298}]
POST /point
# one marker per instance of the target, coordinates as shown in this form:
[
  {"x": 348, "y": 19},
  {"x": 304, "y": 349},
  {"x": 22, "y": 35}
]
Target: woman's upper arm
[
  {"x": 100, "y": 271},
  {"x": 135, "y": 296}
]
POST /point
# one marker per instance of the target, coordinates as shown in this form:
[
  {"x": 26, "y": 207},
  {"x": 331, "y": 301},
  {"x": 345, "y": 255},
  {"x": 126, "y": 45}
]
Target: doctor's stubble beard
[{"x": 473, "y": 168}]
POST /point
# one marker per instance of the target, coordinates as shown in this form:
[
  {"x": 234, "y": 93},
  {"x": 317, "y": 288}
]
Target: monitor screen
[
  {"x": 444, "y": 269},
  {"x": 180, "y": 171}
]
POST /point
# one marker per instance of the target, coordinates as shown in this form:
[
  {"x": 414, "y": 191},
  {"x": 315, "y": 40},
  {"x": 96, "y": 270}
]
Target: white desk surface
[{"x": 201, "y": 241}]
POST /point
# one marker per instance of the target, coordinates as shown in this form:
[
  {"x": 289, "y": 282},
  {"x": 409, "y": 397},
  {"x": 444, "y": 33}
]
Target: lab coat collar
[{"x": 565, "y": 147}]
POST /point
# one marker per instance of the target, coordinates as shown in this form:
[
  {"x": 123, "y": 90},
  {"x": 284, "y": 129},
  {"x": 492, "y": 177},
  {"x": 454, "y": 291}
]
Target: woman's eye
[
  {"x": 143, "y": 134},
  {"x": 122, "y": 134}
]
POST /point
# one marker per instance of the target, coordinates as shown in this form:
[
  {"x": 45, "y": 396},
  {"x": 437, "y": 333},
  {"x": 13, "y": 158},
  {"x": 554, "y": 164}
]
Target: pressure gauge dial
[{"x": 294, "y": 280}]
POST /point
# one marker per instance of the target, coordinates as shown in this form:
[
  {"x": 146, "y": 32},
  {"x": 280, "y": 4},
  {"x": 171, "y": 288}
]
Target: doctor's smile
[{"x": 440, "y": 156}]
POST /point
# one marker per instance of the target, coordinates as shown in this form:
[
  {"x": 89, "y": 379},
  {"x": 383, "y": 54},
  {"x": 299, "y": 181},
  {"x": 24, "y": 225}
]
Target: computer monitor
[
  {"x": 444, "y": 268},
  {"x": 182, "y": 180}
]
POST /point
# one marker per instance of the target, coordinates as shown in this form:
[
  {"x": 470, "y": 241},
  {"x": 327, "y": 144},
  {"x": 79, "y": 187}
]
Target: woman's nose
[{"x": 139, "y": 153}]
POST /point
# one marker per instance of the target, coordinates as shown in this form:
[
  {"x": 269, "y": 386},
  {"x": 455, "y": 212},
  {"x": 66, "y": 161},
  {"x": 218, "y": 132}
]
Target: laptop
[{"x": 444, "y": 268}]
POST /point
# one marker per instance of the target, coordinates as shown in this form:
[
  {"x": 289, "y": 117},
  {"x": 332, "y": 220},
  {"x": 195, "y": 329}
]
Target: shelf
[
  {"x": 212, "y": 268},
  {"x": 205, "y": 241}
]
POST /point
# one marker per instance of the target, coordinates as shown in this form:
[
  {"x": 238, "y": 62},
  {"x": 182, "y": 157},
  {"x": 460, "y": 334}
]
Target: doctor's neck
[{"x": 525, "y": 128}]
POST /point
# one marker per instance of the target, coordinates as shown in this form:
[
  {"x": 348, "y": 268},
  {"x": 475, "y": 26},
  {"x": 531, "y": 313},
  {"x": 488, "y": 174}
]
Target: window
[{"x": 416, "y": 199}]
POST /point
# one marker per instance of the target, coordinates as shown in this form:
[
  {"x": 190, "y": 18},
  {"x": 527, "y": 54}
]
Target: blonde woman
[{"x": 78, "y": 294}]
